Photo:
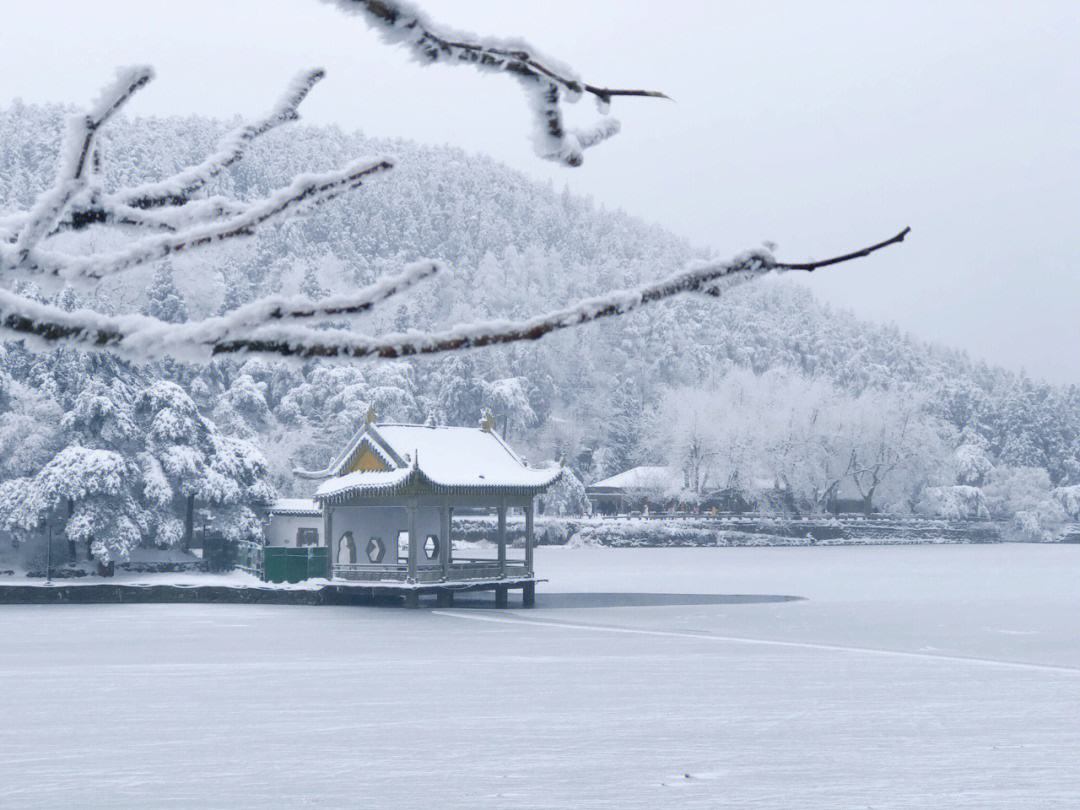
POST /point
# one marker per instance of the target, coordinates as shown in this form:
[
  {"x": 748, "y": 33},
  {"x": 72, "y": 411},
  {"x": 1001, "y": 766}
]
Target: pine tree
[{"x": 163, "y": 300}]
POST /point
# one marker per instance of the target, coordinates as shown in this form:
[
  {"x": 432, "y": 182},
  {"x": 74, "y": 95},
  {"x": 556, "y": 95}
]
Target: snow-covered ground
[{"x": 911, "y": 677}]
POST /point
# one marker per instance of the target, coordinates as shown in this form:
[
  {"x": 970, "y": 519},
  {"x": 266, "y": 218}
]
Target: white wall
[
  {"x": 282, "y": 529},
  {"x": 384, "y": 522}
]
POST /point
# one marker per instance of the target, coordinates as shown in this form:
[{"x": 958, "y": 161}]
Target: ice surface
[{"x": 912, "y": 677}]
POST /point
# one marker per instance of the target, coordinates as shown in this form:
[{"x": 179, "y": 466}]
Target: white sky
[{"x": 821, "y": 126}]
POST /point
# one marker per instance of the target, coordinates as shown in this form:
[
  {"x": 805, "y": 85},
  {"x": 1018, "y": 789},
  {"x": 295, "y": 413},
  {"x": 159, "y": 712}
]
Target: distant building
[
  {"x": 652, "y": 489},
  {"x": 636, "y": 489},
  {"x": 384, "y": 509}
]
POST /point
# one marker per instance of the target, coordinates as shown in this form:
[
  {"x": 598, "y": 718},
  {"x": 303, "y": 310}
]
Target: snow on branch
[
  {"x": 78, "y": 156},
  {"x": 141, "y": 337},
  {"x": 171, "y": 218},
  {"x": 306, "y": 191},
  {"x": 547, "y": 83},
  {"x": 177, "y": 222},
  {"x": 179, "y": 188}
]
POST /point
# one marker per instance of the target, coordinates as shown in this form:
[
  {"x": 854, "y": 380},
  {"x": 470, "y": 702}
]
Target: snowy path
[{"x": 929, "y": 677}]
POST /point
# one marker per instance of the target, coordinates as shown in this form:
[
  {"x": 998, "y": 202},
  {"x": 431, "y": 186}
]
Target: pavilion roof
[{"x": 440, "y": 458}]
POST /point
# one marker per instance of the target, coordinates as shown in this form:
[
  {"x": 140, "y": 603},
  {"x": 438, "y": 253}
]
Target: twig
[
  {"x": 858, "y": 254},
  {"x": 546, "y": 85}
]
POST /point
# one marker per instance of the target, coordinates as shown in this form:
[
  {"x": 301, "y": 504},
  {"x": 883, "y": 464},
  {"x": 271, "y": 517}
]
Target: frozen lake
[{"x": 910, "y": 677}]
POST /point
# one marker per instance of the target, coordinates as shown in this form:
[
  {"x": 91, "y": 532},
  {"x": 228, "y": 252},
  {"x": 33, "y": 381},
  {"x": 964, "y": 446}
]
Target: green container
[{"x": 295, "y": 564}]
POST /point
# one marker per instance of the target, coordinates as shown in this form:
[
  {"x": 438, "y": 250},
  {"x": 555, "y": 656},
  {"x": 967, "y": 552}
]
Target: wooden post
[
  {"x": 444, "y": 546},
  {"x": 444, "y": 598},
  {"x": 502, "y": 540},
  {"x": 413, "y": 544},
  {"x": 528, "y": 595},
  {"x": 529, "y": 537},
  {"x": 502, "y": 597}
]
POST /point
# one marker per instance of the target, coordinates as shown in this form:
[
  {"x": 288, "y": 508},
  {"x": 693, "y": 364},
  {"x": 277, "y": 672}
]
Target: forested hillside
[{"x": 600, "y": 397}]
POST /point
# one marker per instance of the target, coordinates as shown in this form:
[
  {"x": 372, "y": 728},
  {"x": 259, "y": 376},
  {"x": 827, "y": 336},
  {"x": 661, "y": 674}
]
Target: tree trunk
[{"x": 189, "y": 522}]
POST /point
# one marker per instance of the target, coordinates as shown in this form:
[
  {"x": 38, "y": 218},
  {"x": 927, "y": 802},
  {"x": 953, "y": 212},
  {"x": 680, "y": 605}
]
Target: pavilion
[{"x": 387, "y": 504}]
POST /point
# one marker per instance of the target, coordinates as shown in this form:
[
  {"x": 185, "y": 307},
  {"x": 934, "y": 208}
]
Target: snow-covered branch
[
  {"x": 179, "y": 188},
  {"x": 547, "y": 83},
  {"x": 170, "y": 217},
  {"x": 307, "y": 344},
  {"x": 260, "y": 328},
  {"x": 306, "y": 191},
  {"x": 177, "y": 222},
  {"x": 78, "y": 159}
]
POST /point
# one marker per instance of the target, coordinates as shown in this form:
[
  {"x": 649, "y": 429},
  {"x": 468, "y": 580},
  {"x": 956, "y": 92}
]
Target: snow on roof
[
  {"x": 638, "y": 478},
  {"x": 443, "y": 457},
  {"x": 369, "y": 481},
  {"x": 295, "y": 506}
]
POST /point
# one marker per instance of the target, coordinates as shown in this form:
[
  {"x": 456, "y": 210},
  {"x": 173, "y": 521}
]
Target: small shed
[
  {"x": 294, "y": 523},
  {"x": 387, "y": 505}
]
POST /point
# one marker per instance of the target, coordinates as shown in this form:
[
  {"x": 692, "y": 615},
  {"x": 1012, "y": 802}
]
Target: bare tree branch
[
  {"x": 858, "y": 254},
  {"x": 547, "y": 85}
]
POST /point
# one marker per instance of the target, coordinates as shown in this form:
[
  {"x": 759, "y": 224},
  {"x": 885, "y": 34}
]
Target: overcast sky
[{"x": 820, "y": 126}]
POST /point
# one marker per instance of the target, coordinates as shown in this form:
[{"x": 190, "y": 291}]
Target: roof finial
[
  {"x": 487, "y": 420},
  {"x": 371, "y": 416}
]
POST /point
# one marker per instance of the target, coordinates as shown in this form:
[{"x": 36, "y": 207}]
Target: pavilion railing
[{"x": 460, "y": 571}]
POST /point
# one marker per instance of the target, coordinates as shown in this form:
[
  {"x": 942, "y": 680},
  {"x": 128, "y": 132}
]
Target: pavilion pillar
[
  {"x": 328, "y": 538},
  {"x": 414, "y": 544},
  {"x": 449, "y": 534},
  {"x": 444, "y": 530},
  {"x": 502, "y": 539},
  {"x": 529, "y": 537}
]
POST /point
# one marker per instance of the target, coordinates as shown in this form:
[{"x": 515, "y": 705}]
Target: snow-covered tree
[
  {"x": 566, "y": 497},
  {"x": 163, "y": 300},
  {"x": 133, "y": 468},
  {"x": 187, "y": 461},
  {"x": 1025, "y": 495}
]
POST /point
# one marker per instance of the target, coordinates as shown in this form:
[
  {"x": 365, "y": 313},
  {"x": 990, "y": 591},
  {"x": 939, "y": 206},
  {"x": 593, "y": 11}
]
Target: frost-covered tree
[
  {"x": 1025, "y": 495},
  {"x": 163, "y": 300},
  {"x": 566, "y": 497},
  {"x": 132, "y": 470},
  {"x": 187, "y": 460}
]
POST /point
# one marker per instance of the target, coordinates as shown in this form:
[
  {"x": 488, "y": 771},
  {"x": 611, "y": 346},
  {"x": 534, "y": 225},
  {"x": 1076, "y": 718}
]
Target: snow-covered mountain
[{"x": 515, "y": 247}]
